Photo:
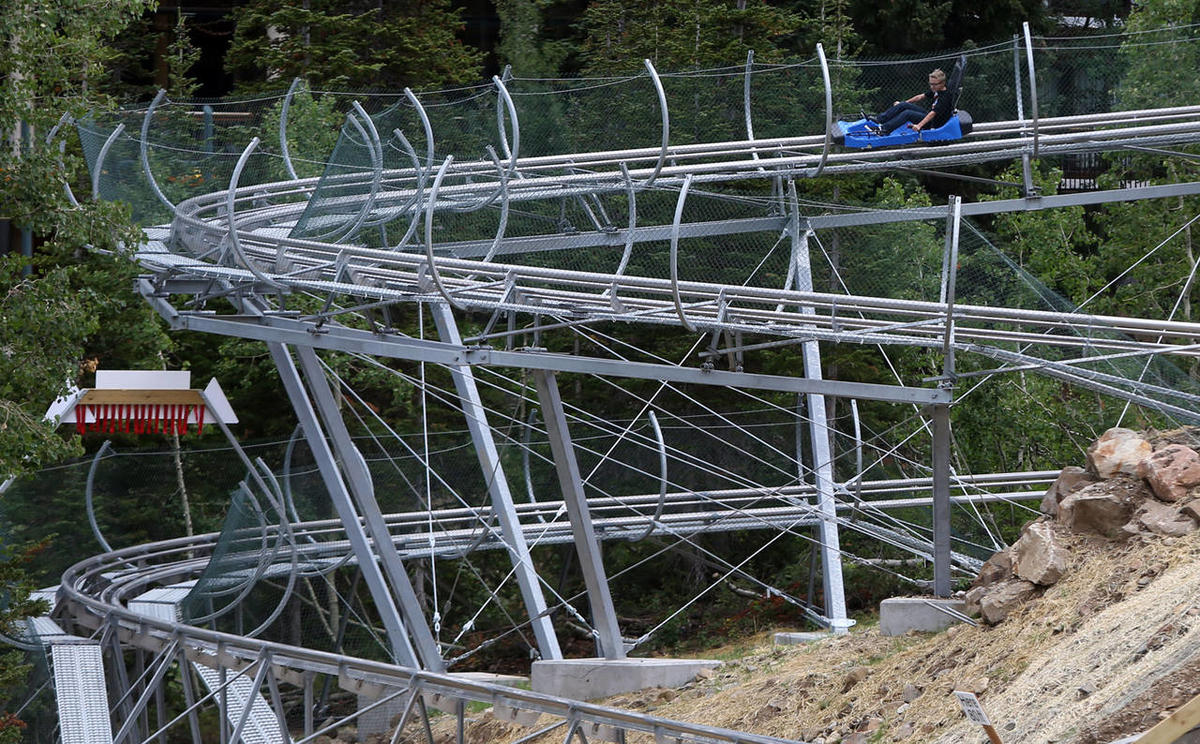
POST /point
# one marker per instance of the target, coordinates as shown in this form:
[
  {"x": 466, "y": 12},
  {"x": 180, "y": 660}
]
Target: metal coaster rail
[{"x": 238, "y": 244}]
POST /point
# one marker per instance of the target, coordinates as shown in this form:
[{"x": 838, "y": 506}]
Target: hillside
[{"x": 1108, "y": 650}]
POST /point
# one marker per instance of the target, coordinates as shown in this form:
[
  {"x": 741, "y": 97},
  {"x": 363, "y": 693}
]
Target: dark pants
[{"x": 899, "y": 115}]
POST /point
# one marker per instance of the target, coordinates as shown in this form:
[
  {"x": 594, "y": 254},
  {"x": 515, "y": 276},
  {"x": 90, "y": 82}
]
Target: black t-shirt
[{"x": 939, "y": 102}]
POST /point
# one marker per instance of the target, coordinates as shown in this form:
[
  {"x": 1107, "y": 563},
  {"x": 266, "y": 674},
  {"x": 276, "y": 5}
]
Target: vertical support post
[
  {"x": 402, "y": 650},
  {"x": 818, "y": 433},
  {"x": 122, "y": 694},
  {"x": 1033, "y": 98},
  {"x": 140, "y": 689},
  {"x": 941, "y": 500},
  {"x": 363, "y": 492},
  {"x": 941, "y": 412},
  {"x": 189, "y": 696},
  {"x": 160, "y": 712},
  {"x": 223, "y": 704},
  {"x": 604, "y": 616},
  {"x": 308, "y": 703},
  {"x": 498, "y": 490},
  {"x": 1026, "y": 168},
  {"x": 264, "y": 665}
]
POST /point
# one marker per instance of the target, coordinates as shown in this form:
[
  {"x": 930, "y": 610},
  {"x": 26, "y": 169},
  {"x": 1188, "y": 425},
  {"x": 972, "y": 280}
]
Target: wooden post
[
  {"x": 974, "y": 712},
  {"x": 1174, "y": 726}
]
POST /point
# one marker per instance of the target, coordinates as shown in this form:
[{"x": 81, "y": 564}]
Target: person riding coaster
[{"x": 906, "y": 122}]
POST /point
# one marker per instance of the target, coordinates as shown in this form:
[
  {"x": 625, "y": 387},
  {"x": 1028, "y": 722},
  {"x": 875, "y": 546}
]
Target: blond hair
[{"x": 939, "y": 75}]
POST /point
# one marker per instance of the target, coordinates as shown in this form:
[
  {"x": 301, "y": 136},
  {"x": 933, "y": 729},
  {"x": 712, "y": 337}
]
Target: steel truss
[{"x": 235, "y": 246}]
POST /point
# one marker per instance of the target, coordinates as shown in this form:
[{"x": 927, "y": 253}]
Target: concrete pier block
[
  {"x": 898, "y": 615},
  {"x": 801, "y": 637},
  {"x": 588, "y": 679}
]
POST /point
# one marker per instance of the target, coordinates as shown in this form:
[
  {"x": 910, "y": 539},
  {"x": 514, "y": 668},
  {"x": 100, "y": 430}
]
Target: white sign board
[{"x": 970, "y": 705}]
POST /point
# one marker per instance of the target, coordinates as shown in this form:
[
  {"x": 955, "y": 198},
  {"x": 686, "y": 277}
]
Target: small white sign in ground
[{"x": 970, "y": 705}]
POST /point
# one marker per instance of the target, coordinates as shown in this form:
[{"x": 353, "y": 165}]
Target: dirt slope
[{"x": 1107, "y": 651}]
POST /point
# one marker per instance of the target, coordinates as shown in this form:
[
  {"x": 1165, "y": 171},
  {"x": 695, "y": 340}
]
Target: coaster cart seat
[{"x": 860, "y": 135}]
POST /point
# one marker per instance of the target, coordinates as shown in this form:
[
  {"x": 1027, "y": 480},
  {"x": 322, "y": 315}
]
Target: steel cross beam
[
  {"x": 279, "y": 329},
  {"x": 1003, "y": 206}
]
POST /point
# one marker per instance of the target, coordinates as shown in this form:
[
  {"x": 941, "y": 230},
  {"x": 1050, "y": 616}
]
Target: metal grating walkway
[
  {"x": 262, "y": 725},
  {"x": 82, "y": 694}
]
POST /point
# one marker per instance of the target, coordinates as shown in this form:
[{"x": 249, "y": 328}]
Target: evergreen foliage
[
  {"x": 71, "y": 303},
  {"x": 350, "y": 44},
  {"x": 679, "y": 34}
]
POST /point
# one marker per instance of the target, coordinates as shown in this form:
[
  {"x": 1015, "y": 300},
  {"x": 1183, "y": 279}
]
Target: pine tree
[
  {"x": 350, "y": 44},
  {"x": 70, "y": 294},
  {"x": 681, "y": 34}
]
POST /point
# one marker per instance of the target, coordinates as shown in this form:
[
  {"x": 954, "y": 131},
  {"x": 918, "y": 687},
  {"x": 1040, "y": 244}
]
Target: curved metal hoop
[
  {"x": 99, "y": 167},
  {"x": 828, "y": 111},
  {"x": 371, "y": 135},
  {"x": 89, "y": 505},
  {"x": 683, "y": 191},
  {"x": 746, "y": 102},
  {"x": 144, "y": 150},
  {"x": 503, "y": 226},
  {"x": 666, "y": 125},
  {"x": 234, "y": 241},
  {"x": 631, "y": 233},
  {"x": 434, "y": 274},
  {"x": 63, "y": 120},
  {"x": 662, "y": 478},
  {"x": 1033, "y": 101},
  {"x": 415, "y": 203},
  {"x": 283, "y": 122},
  {"x": 388, "y": 215},
  {"x": 513, "y": 152},
  {"x": 425, "y": 123}
]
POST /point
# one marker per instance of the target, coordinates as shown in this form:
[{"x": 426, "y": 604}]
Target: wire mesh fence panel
[{"x": 559, "y": 190}]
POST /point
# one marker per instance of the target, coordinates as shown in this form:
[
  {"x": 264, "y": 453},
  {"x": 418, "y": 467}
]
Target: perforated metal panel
[
  {"x": 81, "y": 692},
  {"x": 162, "y": 603},
  {"x": 262, "y": 727}
]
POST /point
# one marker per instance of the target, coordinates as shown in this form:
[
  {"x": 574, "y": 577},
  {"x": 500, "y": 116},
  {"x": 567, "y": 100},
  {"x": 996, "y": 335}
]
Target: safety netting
[{"x": 558, "y": 175}]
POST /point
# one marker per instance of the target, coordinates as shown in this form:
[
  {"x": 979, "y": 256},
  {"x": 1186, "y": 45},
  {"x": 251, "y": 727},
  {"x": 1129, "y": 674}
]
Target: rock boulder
[
  {"x": 1070, "y": 480},
  {"x": 1191, "y": 509},
  {"x": 1039, "y": 557},
  {"x": 1001, "y": 599},
  {"x": 1162, "y": 519},
  {"x": 1117, "y": 451},
  {"x": 997, "y": 568},
  {"x": 971, "y": 600},
  {"x": 1102, "y": 508},
  {"x": 1171, "y": 471}
]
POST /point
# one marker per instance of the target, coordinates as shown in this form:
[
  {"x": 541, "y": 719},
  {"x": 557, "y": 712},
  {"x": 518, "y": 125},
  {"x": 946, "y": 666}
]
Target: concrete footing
[
  {"x": 899, "y": 615},
  {"x": 801, "y": 637},
  {"x": 588, "y": 679}
]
